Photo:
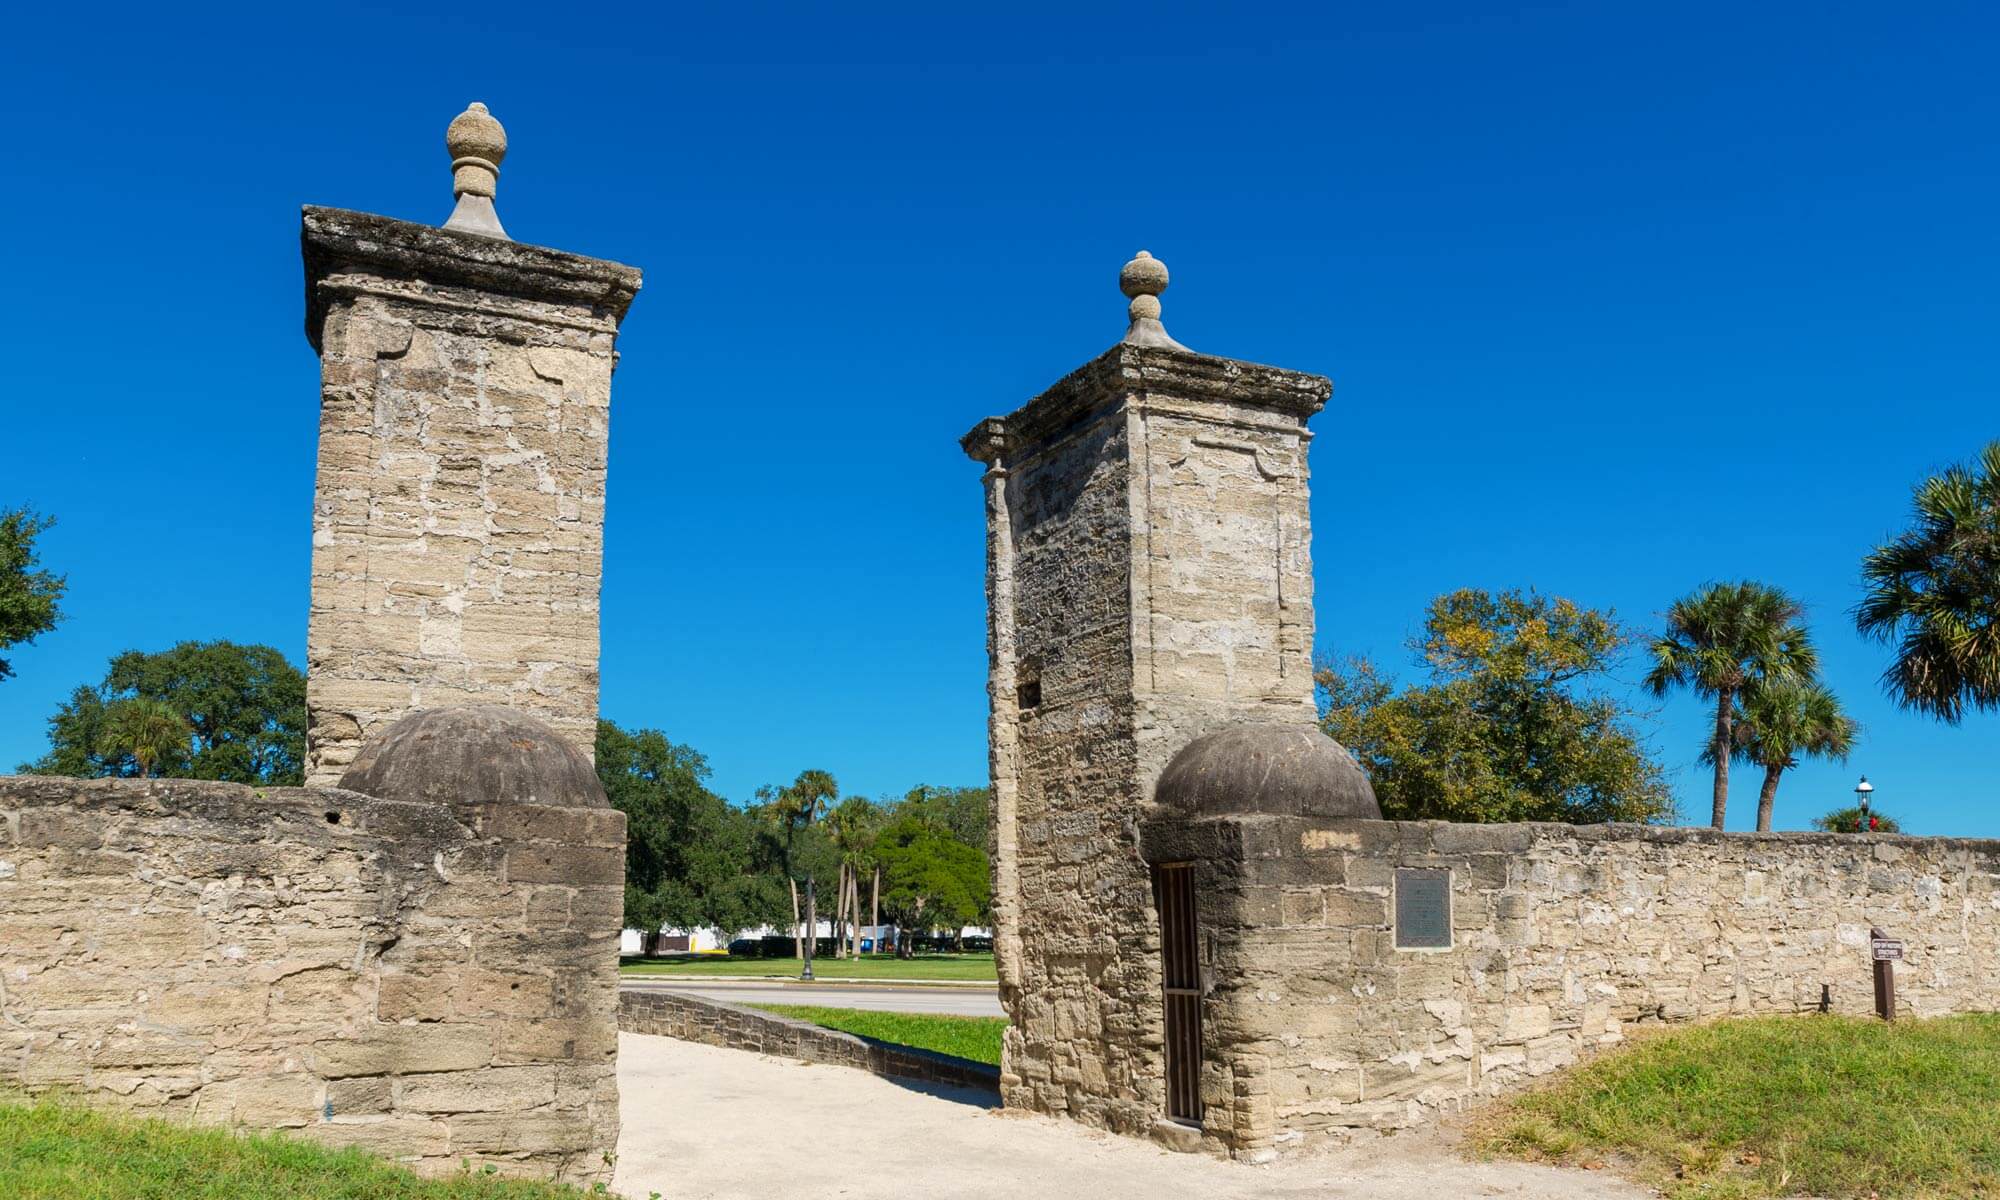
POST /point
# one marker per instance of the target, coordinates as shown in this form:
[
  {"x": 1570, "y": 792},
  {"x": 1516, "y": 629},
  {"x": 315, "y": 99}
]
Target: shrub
[{"x": 1848, "y": 820}]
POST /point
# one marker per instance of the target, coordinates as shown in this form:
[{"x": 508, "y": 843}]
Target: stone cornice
[
  {"x": 336, "y": 241},
  {"x": 1130, "y": 370}
]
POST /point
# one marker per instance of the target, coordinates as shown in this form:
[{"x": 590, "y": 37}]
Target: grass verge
[
  {"x": 976, "y": 1038},
  {"x": 960, "y": 968},
  {"x": 53, "y": 1150},
  {"x": 1779, "y": 1106}
]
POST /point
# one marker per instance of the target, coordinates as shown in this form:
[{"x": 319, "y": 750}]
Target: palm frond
[{"x": 1934, "y": 591}]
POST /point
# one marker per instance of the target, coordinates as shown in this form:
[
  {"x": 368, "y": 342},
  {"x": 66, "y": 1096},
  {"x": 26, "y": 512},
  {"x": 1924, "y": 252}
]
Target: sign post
[{"x": 1886, "y": 952}]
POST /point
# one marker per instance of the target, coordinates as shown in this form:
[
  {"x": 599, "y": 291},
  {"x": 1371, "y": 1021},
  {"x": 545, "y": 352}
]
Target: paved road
[
  {"x": 686, "y": 1110},
  {"x": 958, "y": 1001}
]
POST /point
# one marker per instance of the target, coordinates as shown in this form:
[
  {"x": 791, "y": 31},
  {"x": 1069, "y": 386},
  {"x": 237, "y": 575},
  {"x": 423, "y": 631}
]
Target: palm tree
[
  {"x": 848, "y": 827},
  {"x": 1935, "y": 592},
  {"x": 794, "y": 807},
  {"x": 1777, "y": 724},
  {"x": 1723, "y": 639},
  {"x": 146, "y": 729}
]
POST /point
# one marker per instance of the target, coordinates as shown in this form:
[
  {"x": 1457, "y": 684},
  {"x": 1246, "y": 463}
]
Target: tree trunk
[
  {"x": 1767, "y": 798},
  {"x": 905, "y": 938},
  {"x": 875, "y": 909},
  {"x": 854, "y": 887},
  {"x": 798, "y": 943},
  {"x": 839, "y": 901},
  {"x": 853, "y": 906},
  {"x": 1725, "y": 737},
  {"x": 840, "y": 915}
]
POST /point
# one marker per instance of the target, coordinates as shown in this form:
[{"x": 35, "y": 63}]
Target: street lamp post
[{"x": 1863, "y": 791}]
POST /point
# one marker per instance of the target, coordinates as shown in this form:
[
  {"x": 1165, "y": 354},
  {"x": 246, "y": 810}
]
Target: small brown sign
[{"x": 1888, "y": 951}]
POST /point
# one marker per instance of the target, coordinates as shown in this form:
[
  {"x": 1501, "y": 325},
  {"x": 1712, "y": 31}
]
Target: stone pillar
[
  {"x": 458, "y": 518},
  {"x": 1149, "y": 580}
]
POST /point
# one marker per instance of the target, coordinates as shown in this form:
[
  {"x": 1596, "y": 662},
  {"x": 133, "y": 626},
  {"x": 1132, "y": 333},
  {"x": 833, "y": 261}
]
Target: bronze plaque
[{"x": 1423, "y": 909}]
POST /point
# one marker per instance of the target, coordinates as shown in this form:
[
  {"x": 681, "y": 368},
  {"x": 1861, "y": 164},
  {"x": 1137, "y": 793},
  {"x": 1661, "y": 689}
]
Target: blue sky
[{"x": 1616, "y": 301}]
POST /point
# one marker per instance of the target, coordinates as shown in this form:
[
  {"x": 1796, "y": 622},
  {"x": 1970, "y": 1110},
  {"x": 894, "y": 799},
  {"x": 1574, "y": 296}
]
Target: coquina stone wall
[
  {"x": 1149, "y": 580},
  {"x": 1563, "y": 939},
  {"x": 431, "y": 982},
  {"x": 458, "y": 518}
]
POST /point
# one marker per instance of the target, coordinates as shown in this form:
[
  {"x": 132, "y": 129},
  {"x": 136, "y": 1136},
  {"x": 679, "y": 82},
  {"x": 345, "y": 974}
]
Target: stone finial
[
  {"x": 477, "y": 143},
  {"x": 1143, "y": 279}
]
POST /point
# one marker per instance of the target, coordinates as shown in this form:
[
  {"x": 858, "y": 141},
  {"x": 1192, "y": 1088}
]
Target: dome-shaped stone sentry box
[
  {"x": 1279, "y": 770},
  {"x": 478, "y": 754}
]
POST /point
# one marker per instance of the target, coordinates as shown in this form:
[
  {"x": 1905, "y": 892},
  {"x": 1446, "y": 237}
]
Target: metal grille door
[{"x": 1173, "y": 894}]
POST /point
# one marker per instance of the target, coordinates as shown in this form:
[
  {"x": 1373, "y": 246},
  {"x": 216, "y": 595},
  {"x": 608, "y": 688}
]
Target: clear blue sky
[{"x": 1615, "y": 302}]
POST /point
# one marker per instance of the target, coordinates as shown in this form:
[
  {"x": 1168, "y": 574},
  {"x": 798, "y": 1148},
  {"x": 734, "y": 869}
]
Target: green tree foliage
[
  {"x": 694, "y": 860},
  {"x": 1935, "y": 593},
  {"x": 961, "y": 811},
  {"x": 1721, "y": 640},
  {"x": 1777, "y": 724},
  {"x": 28, "y": 595},
  {"x": 930, "y": 879},
  {"x": 690, "y": 857},
  {"x": 244, "y": 708},
  {"x": 1508, "y": 727}
]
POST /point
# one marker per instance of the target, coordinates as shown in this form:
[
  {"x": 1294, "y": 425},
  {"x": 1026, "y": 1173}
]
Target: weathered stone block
[
  {"x": 1346, "y": 908},
  {"x": 287, "y": 1100},
  {"x": 578, "y": 866},
  {"x": 403, "y": 1049},
  {"x": 1303, "y": 906},
  {"x": 1458, "y": 838},
  {"x": 512, "y": 1134},
  {"x": 43, "y": 828},
  {"x": 1525, "y": 1021},
  {"x": 495, "y": 1090},
  {"x": 1409, "y": 1077},
  {"x": 564, "y": 1039},
  {"x": 404, "y": 997},
  {"x": 403, "y": 1137},
  {"x": 502, "y": 993},
  {"x": 198, "y": 1006},
  {"x": 146, "y": 1050},
  {"x": 360, "y": 1096}
]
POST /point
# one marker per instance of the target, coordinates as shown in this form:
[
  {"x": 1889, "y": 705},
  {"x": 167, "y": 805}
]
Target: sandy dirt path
[{"x": 702, "y": 1121}]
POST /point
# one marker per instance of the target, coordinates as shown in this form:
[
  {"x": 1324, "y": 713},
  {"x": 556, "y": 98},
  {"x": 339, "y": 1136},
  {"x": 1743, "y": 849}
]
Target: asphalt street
[{"x": 958, "y": 1002}]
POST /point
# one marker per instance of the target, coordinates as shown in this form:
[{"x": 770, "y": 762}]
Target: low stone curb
[{"x": 714, "y": 1023}]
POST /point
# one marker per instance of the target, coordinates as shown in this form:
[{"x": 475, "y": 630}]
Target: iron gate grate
[{"x": 1173, "y": 894}]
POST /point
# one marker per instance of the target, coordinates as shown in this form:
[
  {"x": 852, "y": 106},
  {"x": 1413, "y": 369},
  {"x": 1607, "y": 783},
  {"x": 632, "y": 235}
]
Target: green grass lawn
[
  {"x": 57, "y": 1151},
  {"x": 953, "y": 967},
  {"x": 976, "y": 1038},
  {"x": 1779, "y": 1106}
]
